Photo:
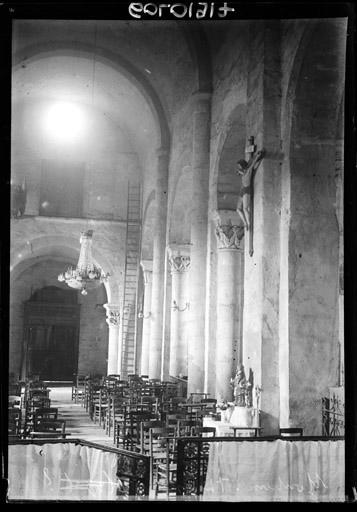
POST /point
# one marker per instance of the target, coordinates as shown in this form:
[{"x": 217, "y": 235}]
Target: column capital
[
  {"x": 179, "y": 257},
  {"x": 146, "y": 265},
  {"x": 229, "y": 231},
  {"x": 113, "y": 314}
]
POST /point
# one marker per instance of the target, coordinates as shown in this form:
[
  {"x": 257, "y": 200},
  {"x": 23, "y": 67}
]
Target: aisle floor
[{"x": 78, "y": 423}]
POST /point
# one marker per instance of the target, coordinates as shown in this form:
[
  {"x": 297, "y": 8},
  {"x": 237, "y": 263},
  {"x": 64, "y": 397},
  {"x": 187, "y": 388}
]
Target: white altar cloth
[{"x": 287, "y": 471}]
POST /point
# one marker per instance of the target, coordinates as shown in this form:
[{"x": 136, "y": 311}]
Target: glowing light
[{"x": 64, "y": 122}]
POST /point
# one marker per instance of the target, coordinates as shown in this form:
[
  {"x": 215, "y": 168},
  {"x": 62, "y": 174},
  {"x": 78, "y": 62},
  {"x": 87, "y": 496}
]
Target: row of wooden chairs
[
  {"x": 31, "y": 415},
  {"x": 145, "y": 416}
]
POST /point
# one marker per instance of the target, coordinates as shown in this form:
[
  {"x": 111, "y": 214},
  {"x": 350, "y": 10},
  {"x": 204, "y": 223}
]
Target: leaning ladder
[{"x": 131, "y": 278}]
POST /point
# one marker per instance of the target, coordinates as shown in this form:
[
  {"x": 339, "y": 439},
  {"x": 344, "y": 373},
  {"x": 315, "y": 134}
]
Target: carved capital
[
  {"x": 179, "y": 264},
  {"x": 229, "y": 236},
  {"x": 146, "y": 265},
  {"x": 113, "y": 315},
  {"x": 179, "y": 258}
]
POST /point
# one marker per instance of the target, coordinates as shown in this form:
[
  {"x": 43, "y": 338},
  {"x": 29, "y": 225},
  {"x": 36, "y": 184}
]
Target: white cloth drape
[
  {"x": 308, "y": 471},
  {"x": 61, "y": 472}
]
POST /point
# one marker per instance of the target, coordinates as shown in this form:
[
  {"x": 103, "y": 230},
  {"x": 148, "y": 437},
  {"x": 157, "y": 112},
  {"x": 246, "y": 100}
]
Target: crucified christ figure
[{"x": 246, "y": 170}]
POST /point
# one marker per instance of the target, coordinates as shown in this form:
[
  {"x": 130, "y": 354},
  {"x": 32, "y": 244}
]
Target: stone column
[
  {"x": 229, "y": 234},
  {"x": 113, "y": 321},
  {"x": 145, "y": 347},
  {"x": 158, "y": 273},
  {"x": 199, "y": 225},
  {"x": 179, "y": 261},
  {"x": 262, "y": 269}
]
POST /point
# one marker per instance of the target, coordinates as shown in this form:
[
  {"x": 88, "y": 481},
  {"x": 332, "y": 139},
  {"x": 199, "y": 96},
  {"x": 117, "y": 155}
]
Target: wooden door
[{"x": 52, "y": 352}]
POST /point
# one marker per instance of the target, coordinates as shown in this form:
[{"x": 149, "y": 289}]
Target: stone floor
[{"x": 78, "y": 423}]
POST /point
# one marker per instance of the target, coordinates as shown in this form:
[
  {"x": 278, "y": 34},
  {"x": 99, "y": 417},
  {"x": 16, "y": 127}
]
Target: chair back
[
  {"x": 48, "y": 426},
  {"x": 184, "y": 427},
  {"x": 45, "y": 414},
  {"x": 158, "y": 441},
  {"x": 197, "y": 397}
]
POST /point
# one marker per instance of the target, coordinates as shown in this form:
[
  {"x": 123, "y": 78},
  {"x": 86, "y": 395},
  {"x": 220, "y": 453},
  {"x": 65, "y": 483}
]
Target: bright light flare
[{"x": 64, "y": 122}]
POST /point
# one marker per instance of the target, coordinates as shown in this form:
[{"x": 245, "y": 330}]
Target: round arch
[{"x": 119, "y": 63}]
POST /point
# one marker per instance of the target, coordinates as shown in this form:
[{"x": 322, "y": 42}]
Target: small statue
[
  {"x": 238, "y": 384},
  {"x": 242, "y": 388}
]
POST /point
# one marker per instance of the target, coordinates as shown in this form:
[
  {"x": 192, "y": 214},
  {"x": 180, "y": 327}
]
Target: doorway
[{"x": 51, "y": 335}]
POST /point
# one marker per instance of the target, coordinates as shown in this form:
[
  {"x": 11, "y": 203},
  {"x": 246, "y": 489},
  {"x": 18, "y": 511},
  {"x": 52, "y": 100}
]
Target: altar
[{"x": 236, "y": 421}]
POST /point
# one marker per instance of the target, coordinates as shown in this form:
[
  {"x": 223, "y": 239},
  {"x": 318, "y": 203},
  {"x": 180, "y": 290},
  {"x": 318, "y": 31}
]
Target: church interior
[{"x": 176, "y": 258}]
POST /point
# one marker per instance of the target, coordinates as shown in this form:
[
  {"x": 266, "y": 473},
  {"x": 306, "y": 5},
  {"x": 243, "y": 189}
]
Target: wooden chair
[
  {"x": 151, "y": 402},
  {"x": 184, "y": 427},
  {"x": 38, "y": 393},
  {"x": 145, "y": 427},
  {"x": 94, "y": 397},
  {"x": 171, "y": 406},
  {"x": 209, "y": 405},
  {"x": 120, "y": 425},
  {"x": 44, "y": 414},
  {"x": 197, "y": 397},
  {"x": 100, "y": 407},
  {"x": 160, "y": 451},
  {"x": 49, "y": 429},
  {"x": 31, "y": 407},
  {"x": 37, "y": 403},
  {"x": 78, "y": 388},
  {"x": 111, "y": 381},
  {"x": 172, "y": 419},
  {"x": 132, "y": 438},
  {"x": 116, "y": 405},
  {"x": 14, "y": 421}
]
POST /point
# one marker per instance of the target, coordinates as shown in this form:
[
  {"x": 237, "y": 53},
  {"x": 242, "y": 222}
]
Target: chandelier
[{"x": 86, "y": 275}]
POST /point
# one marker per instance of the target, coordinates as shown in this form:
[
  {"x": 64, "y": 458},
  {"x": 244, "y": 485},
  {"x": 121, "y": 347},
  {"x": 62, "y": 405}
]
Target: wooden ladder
[{"x": 131, "y": 278}]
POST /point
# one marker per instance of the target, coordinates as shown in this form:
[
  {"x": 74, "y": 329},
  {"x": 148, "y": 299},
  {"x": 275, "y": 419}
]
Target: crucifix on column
[{"x": 247, "y": 168}]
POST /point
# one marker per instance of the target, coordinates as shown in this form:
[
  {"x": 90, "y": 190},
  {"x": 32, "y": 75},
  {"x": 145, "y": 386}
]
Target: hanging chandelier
[{"x": 86, "y": 275}]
